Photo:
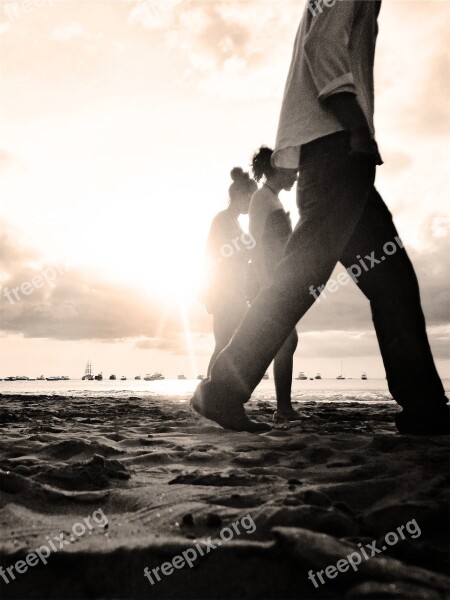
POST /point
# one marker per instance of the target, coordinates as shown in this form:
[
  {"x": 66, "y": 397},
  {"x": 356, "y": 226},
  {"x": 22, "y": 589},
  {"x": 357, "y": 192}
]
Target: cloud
[
  {"x": 69, "y": 31},
  {"x": 337, "y": 343},
  {"x": 432, "y": 266},
  {"x": 429, "y": 112},
  {"x": 412, "y": 90},
  {"x": 71, "y": 304},
  {"x": 75, "y": 31},
  {"x": 82, "y": 305},
  {"x": 232, "y": 50},
  {"x": 396, "y": 162},
  {"x": 79, "y": 304},
  {"x": 344, "y": 344},
  {"x": 172, "y": 344},
  {"x": 152, "y": 14}
]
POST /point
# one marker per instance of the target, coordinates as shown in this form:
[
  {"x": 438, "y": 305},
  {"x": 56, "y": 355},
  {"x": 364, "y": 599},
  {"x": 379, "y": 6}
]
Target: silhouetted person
[
  {"x": 228, "y": 253},
  {"x": 326, "y": 131},
  {"x": 270, "y": 226}
]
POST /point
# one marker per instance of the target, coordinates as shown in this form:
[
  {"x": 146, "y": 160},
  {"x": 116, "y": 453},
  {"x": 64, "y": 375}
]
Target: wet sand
[{"x": 167, "y": 479}]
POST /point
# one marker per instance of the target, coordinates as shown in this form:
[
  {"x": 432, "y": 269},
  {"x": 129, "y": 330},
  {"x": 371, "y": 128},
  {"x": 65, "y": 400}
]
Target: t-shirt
[{"x": 334, "y": 52}]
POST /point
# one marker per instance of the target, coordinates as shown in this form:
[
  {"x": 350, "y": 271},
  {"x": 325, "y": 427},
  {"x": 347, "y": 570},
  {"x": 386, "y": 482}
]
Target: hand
[{"x": 362, "y": 143}]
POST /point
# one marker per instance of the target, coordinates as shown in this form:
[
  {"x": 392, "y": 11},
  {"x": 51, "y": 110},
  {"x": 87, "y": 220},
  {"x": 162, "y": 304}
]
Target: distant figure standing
[
  {"x": 270, "y": 226},
  {"x": 228, "y": 251},
  {"x": 326, "y": 131}
]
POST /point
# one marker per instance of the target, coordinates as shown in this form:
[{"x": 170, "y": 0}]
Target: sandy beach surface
[{"x": 149, "y": 481}]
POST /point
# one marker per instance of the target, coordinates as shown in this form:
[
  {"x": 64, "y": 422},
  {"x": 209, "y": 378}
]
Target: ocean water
[{"x": 356, "y": 390}]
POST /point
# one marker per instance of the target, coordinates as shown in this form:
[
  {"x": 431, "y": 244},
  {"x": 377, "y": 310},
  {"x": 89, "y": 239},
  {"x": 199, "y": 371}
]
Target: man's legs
[
  {"x": 391, "y": 286},
  {"x": 333, "y": 188}
]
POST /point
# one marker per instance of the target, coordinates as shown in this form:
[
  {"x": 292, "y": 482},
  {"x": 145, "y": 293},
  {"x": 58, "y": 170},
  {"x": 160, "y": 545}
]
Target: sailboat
[
  {"x": 364, "y": 376},
  {"x": 88, "y": 371},
  {"x": 341, "y": 376},
  {"x": 318, "y": 376}
]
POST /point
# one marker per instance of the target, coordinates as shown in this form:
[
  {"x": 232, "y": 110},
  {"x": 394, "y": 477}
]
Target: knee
[
  {"x": 293, "y": 341},
  {"x": 290, "y": 344}
]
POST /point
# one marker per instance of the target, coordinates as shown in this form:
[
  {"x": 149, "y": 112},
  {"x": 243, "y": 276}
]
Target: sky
[{"x": 120, "y": 123}]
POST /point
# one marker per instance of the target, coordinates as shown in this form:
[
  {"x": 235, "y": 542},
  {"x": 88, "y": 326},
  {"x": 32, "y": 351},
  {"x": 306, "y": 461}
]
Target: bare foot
[
  {"x": 282, "y": 416},
  {"x": 230, "y": 415}
]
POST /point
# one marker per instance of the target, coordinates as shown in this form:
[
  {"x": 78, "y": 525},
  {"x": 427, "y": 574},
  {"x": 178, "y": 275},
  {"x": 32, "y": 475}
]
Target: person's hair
[
  {"x": 261, "y": 163},
  {"x": 242, "y": 183}
]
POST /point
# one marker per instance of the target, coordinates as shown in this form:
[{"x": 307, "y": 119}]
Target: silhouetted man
[{"x": 326, "y": 131}]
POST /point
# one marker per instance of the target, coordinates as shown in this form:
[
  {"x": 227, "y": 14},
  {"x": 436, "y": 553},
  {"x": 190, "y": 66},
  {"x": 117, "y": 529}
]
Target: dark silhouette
[
  {"x": 228, "y": 250},
  {"x": 271, "y": 228},
  {"x": 326, "y": 130}
]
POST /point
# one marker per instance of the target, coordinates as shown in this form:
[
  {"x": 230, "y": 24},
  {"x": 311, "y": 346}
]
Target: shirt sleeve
[{"x": 326, "y": 46}]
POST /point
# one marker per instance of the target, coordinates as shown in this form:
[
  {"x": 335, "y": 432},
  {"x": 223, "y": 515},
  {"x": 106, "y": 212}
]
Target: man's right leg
[
  {"x": 390, "y": 283},
  {"x": 332, "y": 188}
]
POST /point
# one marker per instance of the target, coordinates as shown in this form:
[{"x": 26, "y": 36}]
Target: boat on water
[
  {"x": 155, "y": 377},
  {"x": 200, "y": 377},
  {"x": 181, "y": 376},
  {"x": 99, "y": 377},
  {"x": 123, "y": 378},
  {"x": 318, "y": 376},
  {"x": 301, "y": 376},
  {"x": 266, "y": 376},
  {"x": 138, "y": 377},
  {"x": 40, "y": 378},
  {"x": 58, "y": 378},
  {"x": 341, "y": 376},
  {"x": 112, "y": 377},
  {"x": 364, "y": 376},
  {"x": 18, "y": 378},
  {"x": 88, "y": 372}
]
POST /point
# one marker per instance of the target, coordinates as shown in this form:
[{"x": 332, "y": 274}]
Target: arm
[
  {"x": 346, "y": 108},
  {"x": 327, "y": 54},
  {"x": 277, "y": 231},
  {"x": 218, "y": 236},
  {"x": 326, "y": 48}
]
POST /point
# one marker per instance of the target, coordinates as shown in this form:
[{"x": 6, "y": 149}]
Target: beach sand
[{"x": 167, "y": 479}]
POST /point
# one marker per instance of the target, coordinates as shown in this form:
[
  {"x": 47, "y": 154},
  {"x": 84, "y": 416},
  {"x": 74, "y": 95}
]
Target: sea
[{"x": 320, "y": 390}]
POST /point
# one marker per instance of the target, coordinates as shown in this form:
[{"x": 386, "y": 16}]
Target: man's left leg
[{"x": 332, "y": 202}]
